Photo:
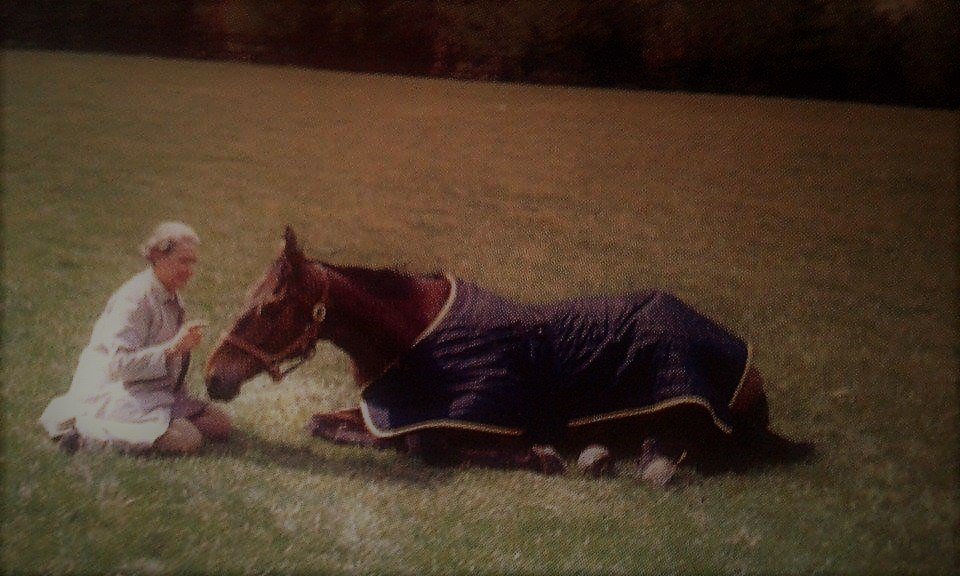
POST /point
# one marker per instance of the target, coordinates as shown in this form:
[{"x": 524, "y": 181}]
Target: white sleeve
[{"x": 126, "y": 327}]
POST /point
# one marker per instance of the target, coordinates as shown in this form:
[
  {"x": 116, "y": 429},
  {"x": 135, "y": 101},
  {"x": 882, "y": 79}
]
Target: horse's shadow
[
  {"x": 755, "y": 456},
  {"x": 321, "y": 458}
]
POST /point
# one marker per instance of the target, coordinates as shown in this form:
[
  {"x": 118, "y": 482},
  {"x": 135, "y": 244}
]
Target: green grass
[{"x": 824, "y": 233}]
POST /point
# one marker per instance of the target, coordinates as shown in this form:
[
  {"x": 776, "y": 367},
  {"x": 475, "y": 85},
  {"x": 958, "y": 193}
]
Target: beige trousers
[{"x": 186, "y": 435}]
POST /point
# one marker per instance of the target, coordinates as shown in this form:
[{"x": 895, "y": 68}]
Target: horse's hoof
[
  {"x": 547, "y": 461},
  {"x": 595, "y": 460},
  {"x": 658, "y": 463},
  {"x": 658, "y": 472}
]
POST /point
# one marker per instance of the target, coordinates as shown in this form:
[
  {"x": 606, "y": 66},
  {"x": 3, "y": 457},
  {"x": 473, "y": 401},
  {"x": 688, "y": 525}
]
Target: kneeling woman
[{"x": 128, "y": 390}]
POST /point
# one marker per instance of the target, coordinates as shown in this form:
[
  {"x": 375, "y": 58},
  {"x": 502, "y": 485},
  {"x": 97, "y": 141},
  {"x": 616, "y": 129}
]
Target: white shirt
[{"x": 125, "y": 390}]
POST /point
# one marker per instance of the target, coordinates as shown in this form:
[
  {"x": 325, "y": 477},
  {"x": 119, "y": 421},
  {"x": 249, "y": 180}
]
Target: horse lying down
[{"x": 455, "y": 374}]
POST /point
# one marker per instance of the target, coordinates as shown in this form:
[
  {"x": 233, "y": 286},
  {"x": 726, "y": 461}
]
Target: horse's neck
[{"x": 374, "y": 329}]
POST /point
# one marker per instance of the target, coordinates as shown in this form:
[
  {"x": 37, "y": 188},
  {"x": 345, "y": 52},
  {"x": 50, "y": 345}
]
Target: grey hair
[{"x": 166, "y": 236}]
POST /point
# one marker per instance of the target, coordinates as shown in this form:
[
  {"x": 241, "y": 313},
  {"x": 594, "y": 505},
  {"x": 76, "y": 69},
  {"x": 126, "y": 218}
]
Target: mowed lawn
[{"x": 825, "y": 233}]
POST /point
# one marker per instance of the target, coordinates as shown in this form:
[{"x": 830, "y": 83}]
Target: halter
[{"x": 305, "y": 346}]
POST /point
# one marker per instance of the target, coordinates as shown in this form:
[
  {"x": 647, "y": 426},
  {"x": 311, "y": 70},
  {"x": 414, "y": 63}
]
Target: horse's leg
[
  {"x": 346, "y": 427},
  {"x": 435, "y": 447},
  {"x": 595, "y": 460}
]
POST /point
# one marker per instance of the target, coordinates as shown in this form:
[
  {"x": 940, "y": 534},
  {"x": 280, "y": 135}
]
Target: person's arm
[{"x": 131, "y": 359}]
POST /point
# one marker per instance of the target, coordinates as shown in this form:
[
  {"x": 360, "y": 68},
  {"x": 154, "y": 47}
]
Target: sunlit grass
[{"x": 825, "y": 233}]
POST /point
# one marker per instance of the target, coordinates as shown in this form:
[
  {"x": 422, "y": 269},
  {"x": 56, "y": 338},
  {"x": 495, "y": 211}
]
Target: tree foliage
[{"x": 843, "y": 49}]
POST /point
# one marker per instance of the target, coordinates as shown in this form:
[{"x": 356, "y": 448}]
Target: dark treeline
[{"x": 899, "y": 52}]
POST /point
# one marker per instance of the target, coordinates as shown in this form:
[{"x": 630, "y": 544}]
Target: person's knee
[
  {"x": 181, "y": 437},
  {"x": 214, "y": 423}
]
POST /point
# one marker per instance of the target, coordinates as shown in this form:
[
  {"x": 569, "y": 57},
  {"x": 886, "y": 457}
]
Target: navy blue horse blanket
[{"x": 489, "y": 364}]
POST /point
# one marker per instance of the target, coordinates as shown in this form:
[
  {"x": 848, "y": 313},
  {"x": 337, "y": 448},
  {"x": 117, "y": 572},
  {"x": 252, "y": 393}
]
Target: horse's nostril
[{"x": 216, "y": 389}]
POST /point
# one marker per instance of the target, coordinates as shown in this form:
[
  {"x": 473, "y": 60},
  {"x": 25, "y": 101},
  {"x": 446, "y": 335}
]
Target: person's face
[{"x": 175, "y": 268}]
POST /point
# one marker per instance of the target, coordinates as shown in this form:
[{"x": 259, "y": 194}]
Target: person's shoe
[{"x": 69, "y": 442}]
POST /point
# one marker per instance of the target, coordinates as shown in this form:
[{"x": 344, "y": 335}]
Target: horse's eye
[{"x": 270, "y": 310}]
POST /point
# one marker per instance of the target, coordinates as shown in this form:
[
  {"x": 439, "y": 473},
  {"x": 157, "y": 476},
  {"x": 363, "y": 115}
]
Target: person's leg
[
  {"x": 213, "y": 423},
  {"x": 181, "y": 437}
]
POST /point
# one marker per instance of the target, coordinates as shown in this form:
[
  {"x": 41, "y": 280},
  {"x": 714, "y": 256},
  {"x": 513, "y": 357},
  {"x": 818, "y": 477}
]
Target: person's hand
[{"x": 190, "y": 334}]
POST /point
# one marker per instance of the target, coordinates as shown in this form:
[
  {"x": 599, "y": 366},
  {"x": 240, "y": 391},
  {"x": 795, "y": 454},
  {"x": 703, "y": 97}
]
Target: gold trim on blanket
[
  {"x": 671, "y": 403},
  {"x": 432, "y": 424},
  {"x": 451, "y": 298},
  {"x": 743, "y": 377}
]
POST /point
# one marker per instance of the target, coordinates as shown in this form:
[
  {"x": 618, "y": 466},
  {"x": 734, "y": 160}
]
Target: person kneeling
[{"x": 127, "y": 391}]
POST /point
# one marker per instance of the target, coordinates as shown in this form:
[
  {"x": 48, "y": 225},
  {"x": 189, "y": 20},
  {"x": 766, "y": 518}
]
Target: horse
[{"x": 455, "y": 374}]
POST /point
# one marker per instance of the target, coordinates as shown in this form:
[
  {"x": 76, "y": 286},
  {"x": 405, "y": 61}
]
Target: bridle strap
[
  {"x": 305, "y": 346},
  {"x": 271, "y": 362}
]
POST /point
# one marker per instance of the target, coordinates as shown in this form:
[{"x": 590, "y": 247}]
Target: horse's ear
[
  {"x": 289, "y": 236},
  {"x": 293, "y": 252}
]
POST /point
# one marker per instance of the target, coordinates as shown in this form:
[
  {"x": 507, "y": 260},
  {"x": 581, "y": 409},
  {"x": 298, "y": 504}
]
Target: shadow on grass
[
  {"x": 317, "y": 457},
  {"x": 754, "y": 456},
  {"x": 369, "y": 463}
]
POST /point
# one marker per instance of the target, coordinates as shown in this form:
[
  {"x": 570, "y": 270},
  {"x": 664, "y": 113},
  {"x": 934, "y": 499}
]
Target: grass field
[{"x": 825, "y": 233}]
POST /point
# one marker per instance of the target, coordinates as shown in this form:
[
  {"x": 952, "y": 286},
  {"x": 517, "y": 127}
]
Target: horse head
[{"x": 281, "y": 321}]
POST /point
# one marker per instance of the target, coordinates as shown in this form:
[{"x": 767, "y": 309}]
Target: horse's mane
[{"x": 387, "y": 283}]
